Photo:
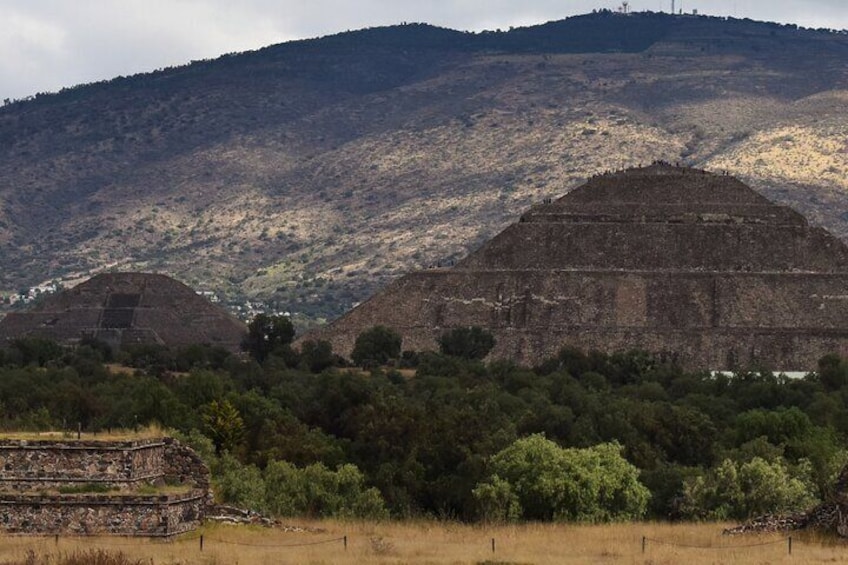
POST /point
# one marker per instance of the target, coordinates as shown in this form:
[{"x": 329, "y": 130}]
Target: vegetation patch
[
  {"x": 583, "y": 437},
  {"x": 86, "y": 488}
]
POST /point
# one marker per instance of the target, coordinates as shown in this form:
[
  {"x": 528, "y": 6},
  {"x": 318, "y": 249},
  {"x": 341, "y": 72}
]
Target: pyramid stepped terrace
[{"x": 691, "y": 265}]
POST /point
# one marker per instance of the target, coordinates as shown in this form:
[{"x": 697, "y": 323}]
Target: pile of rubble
[
  {"x": 830, "y": 516},
  {"x": 233, "y": 515}
]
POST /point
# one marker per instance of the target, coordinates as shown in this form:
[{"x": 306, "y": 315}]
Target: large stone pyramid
[
  {"x": 676, "y": 261},
  {"x": 126, "y": 309}
]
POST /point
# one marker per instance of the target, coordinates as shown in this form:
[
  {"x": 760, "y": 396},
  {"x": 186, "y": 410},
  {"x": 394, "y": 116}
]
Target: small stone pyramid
[
  {"x": 691, "y": 265},
  {"x": 124, "y": 309}
]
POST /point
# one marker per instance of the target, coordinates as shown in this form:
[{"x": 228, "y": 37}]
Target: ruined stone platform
[
  {"x": 677, "y": 261},
  {"x": 96, "y": 487}
]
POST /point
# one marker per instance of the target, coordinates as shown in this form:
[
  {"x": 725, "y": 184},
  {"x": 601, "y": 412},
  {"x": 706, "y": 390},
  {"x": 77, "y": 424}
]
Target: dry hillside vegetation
[{"x": 311, "y": 173}]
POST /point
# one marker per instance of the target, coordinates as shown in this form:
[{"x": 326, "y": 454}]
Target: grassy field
[
  {"x": 143, "y": 432},
  {"x": 437, "y": 543}
]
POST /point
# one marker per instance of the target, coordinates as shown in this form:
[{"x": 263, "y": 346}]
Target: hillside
[{"x": 310, "y": 173}]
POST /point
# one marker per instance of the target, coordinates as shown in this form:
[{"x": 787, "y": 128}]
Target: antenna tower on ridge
[{"x": 672, "y": 7}]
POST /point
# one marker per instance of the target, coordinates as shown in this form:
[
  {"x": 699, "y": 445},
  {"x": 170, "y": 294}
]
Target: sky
[{"x": 46, "y": 45}]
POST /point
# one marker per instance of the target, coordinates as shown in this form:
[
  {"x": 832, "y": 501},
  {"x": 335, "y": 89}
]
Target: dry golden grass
[
  {"x": 448, "y": 543},
  {"x": 148, "y": 432},
  {"x": 117, "y": 369}
]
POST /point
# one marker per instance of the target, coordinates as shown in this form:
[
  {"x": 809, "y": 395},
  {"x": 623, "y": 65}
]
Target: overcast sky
[{"x": 48, "y": 44}]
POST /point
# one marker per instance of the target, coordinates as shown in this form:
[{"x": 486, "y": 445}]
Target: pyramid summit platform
[{"x": 688, "y": 264}]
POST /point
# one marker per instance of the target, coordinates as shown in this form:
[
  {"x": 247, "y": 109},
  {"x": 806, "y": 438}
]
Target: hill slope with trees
[{"x": 308, "y": 174}]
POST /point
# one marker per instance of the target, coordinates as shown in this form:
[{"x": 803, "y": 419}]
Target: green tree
[
  {"x": 238, "y": 484},
  {"x": 742, "y": 490},
  {"x": 779, "y": 426},
  {"x": 268, "y": 334},
  {"x": 318, "y": 492},
  {"x": 594, "y": 484},
  {"x": 833, "y": 372},
  {"x": 224, "y": 425},
  {"x": 468, "y": 343},
  {"x": 317, "y": 355},
  {"x": 36, "y": 350},
  {"x": 376, "y": 346},
  {"x": 497, "y": 501}
]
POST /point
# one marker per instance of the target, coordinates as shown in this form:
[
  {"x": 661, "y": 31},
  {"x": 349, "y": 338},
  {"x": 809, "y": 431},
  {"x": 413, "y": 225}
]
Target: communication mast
[{"x": 672, "y": 7}]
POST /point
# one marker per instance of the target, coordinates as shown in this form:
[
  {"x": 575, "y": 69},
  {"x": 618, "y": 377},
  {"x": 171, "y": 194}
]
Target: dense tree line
[{"x": 583, "y": 436}]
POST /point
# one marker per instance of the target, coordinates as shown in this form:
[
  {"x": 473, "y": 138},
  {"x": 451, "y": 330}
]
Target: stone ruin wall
[
  {"x": 33, "y": 469},
  {"x": 124, "y": 309},
  {"x": 182, "y": 465},
  {"x": 660, "y": 246},
  {"x": 681, "y": 262},
  {"x": 705, "y": 320},
  {"x": 31, "y": 465},
  {"x": 149, "y": 516}
]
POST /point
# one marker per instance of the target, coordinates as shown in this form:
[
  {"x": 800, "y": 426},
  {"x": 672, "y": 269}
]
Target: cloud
[
  {"x": 51, "y": 44},
  {"x": 32, "y": 47}
]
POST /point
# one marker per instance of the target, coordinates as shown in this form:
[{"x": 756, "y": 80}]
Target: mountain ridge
[{"x": 308, "y": 174}]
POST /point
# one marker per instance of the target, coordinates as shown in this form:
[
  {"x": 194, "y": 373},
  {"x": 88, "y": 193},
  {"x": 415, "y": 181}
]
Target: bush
[
  {"x": 468, "y": 343},
  {"x": 536, "y": 479},
  {"x": 239, "y": 484},
  {"x": 376, "y": 346},
  {"x": 316, "y": 356},
  {"x": 741, "y": 491},
  {"x": 317, "y": 492},
  {"x": 35, "y": 351}
]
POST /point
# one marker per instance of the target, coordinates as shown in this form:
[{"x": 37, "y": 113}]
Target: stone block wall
[
  {"x": 183, "y": 466},
  {"x": 32, "y": 471},
  {"x": 150, "y": 516},
  {"x": 703, "y": 320},
  {"x": 676, "y": 261},
  {"x": 28, "y": 464},
  {"x": 711, "y": 247}
]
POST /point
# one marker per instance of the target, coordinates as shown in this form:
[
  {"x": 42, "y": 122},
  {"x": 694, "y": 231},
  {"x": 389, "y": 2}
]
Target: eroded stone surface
[
  {"x": 125, "y": 309},
  {"x": 693, "y": 265},
  {"x": 32, "y": 474}
]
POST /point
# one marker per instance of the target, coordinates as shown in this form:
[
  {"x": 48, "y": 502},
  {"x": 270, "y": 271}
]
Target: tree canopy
[
  {"x": 582, "y": 437},
  {"x": 467, "y": 343},
  {"x": 376, "y": 346},
  {"x": 267, "y": 334},
  {"x": 535, "y": 479}
]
